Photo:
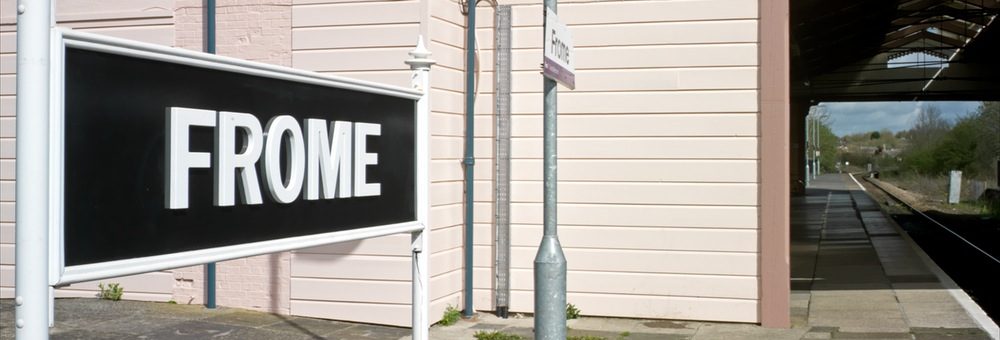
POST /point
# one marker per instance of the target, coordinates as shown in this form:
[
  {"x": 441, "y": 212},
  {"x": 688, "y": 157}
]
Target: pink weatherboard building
[{"x": 673, "y": 154}]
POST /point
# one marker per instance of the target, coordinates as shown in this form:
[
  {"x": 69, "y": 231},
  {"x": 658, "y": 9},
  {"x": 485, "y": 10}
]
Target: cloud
[{"x": 857, "y": 117}]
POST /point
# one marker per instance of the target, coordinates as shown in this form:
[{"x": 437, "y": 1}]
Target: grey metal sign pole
[
  {"x": 31, "y": 257},
  {"x": 550, "y": 262}
]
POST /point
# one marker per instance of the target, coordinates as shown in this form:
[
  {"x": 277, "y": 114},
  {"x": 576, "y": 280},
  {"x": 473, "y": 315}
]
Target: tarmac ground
[{"x": 855, "y": 275}]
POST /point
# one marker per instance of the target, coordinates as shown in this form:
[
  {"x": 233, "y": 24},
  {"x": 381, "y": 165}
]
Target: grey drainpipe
[
  {"x": 469, "y": 161},
  {"x": 210, "y": 48}
]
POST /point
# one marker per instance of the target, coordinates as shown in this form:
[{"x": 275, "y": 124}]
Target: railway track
[{"x": 965, "y": 247}]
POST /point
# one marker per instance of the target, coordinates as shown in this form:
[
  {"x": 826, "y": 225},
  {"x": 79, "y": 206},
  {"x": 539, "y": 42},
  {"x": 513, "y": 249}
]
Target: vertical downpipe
[
  {"x": 210, "y": 48},
  {"x": 469, "y": 161}
]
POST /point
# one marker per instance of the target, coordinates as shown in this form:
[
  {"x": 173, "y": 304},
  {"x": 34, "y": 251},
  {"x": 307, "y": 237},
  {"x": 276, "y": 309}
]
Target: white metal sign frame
[{"x": 59, "y": 274}]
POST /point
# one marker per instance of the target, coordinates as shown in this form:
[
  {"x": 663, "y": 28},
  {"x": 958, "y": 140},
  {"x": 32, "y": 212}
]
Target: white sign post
[{"x": 558, "y": 60}]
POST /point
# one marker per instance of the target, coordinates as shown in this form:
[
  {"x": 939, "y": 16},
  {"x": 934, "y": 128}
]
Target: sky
[{"x": 849, "y": 118}]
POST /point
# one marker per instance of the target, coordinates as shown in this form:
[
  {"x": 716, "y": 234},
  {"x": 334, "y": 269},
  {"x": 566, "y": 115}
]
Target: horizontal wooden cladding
[
  {"x": 646, "y": 261},
  {"x": 8, "y": 83},
  {"x": 7, "y": 209},
  {"x": 365, "y": 59},
  {"x": 394, "y": 35},
  {"x": 650, "y": 306},
  {"x": 612, "y": 12},
  {"x": 8, "y": 125},
  {"x": 8, "y": 148},
  {"x": 642, "y": 125},
  {"x": 638, "y": 34},
  {"x": 392, "y": 77},
  {"x": 6, "y": 275},
  {"x": 7, "y": 194},
  {"x": 630, "y": 57},
  {"x": 7, "y": 253},
  {"x": 385, "y": 314},
  {"x": 451, "y": 33},
  {"x": 644, "y": 170},
  {"x": 727, "y": 217},
  {"x": 156, "y": 283},
  {"x": 391, "y": 245},
  {"x": 734, "y": 101},
  {"x": 305, "y": 265},
  {"x": 355, "y": 13},
  {"x": 370, "y": 291},
  {"x": 156, "y": 34},
  {"x": 136, "y": 296},
  {"x": 739, "y": 194},
  {"x": 97, "y": 10},
  {"x": 692, "y": 148},
  {"x": 147, "y": 283},
  {"x": 7, "y": 109},
  {"x": 650, "y": 79},
  {"x": 643, "y": 148},
  {"x": 329, "y": 266},
  {"x": 8, "y": 63},
  {"x": 641, "y": 238},
  {"x": 733, "y": 287},
  {"x": 7, "y": 232}
]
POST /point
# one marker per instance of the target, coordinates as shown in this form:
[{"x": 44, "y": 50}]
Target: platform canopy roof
[{"x": 895, "y": 50}]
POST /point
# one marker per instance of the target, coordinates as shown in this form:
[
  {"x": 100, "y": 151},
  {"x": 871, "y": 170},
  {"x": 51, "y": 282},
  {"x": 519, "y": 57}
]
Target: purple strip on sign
[{"x": 558, "y": 73}]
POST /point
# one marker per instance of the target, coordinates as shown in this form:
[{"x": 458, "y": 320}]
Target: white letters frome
[
  {"x": 328, "y": 159},
  {"x": 180, "y": 159},
  {"x": 362, "y": 159},
  {"x": 287, "y": 189},
  {"x": 331, "y": 157},
  {"x": 228, "y": 160}
]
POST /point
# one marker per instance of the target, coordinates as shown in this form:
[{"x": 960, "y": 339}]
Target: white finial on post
[{"x": 420, "y": 57}]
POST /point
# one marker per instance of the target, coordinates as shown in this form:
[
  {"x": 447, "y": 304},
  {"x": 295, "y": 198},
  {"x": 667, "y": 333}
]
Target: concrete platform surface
[{"x": 854, "y": 276}]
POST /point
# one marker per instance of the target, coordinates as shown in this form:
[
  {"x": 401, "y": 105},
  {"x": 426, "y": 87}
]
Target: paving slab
[
  {"x": 738, "y": 331},
  {"x": 315, "y": 327}
]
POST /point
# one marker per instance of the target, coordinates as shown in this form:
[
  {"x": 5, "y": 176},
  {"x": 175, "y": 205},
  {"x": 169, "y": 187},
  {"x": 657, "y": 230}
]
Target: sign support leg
[
  {"x": 31, "y": 286},
  {"x": 421, "y": 63}
]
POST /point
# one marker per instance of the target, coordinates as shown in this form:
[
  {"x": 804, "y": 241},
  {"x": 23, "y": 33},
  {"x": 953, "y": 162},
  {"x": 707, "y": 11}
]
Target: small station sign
[{"x": 558, "y": 58}]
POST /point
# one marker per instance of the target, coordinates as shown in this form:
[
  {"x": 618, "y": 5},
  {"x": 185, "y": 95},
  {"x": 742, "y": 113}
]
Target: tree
[
  {"x": 928, "y": 128},
  {"x": 875, "y": 135},
  {"x": 987, "y": 122}
]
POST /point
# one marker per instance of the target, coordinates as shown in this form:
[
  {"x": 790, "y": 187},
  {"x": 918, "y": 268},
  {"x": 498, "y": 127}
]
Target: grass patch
[
  {"x": 572, "y": 312},
  {"x": 451, "y": 316},
  {"x": 496, "y": 335},
  {"x": 111, "y": 292}
]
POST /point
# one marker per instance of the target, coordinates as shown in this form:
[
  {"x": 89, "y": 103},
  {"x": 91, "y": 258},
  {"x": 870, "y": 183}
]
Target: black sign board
[{"x": 116, "y": 161}]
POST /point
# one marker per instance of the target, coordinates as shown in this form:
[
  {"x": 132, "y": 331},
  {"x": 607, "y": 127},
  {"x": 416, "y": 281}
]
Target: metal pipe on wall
[{"x": 469, "y": 160}]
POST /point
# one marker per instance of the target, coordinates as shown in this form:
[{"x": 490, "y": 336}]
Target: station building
[{"x": 674, "y": 153}]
